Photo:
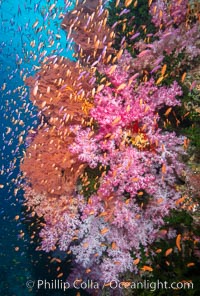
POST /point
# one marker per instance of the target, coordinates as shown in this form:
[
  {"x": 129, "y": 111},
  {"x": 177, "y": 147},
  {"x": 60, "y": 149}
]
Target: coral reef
[
  {"x": 103, "y": 171},
  {"x": 92, "y": 36}
]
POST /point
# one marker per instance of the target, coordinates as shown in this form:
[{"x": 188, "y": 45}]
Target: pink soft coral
[{"x": 138, "y": 188}]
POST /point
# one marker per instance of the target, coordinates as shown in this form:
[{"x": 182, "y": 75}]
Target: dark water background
[{"x": 19, "y": 262}]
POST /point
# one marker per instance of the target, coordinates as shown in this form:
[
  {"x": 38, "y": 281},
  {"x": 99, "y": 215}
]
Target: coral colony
[{"x": 100, "y": 170}]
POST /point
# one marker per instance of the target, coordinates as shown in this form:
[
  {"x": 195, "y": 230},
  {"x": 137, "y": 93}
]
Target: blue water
[{"x": 19, "y": 262}]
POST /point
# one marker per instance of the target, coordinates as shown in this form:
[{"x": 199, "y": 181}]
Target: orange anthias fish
[
  {"x": 178, "y": 242},
  {"x": 147, "y": 268}
]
